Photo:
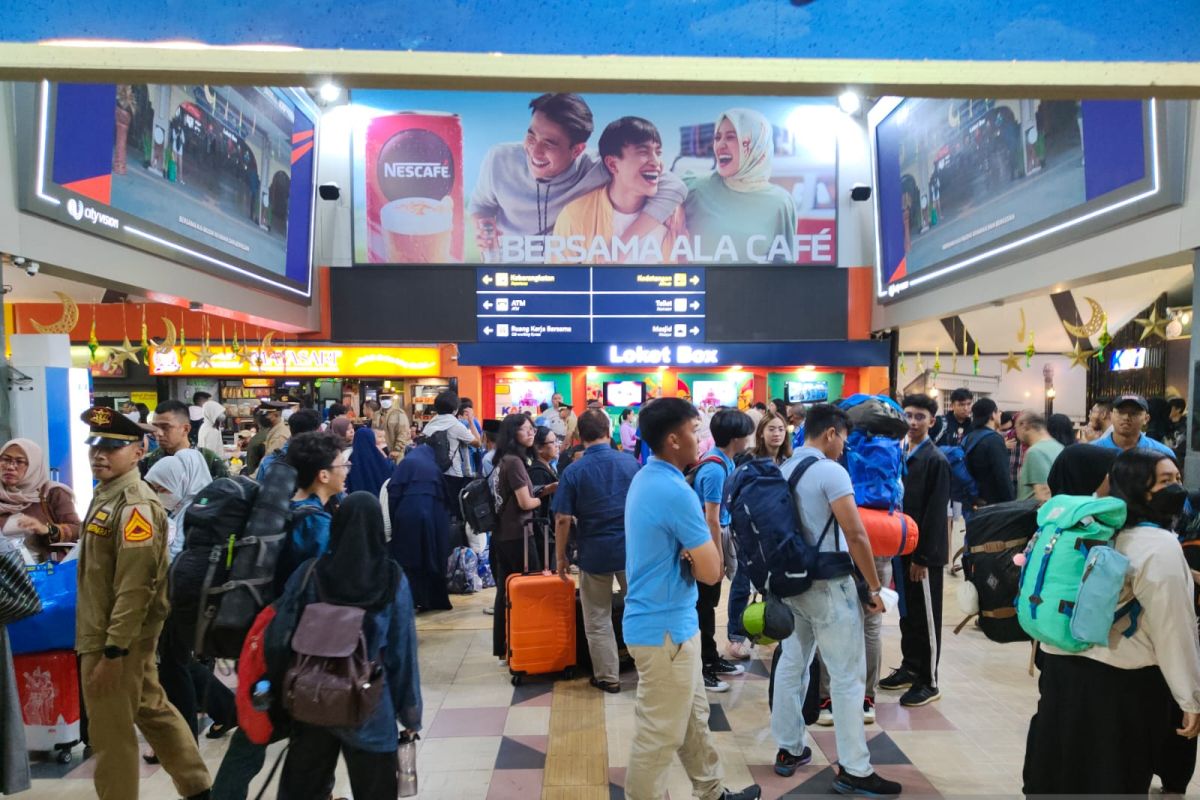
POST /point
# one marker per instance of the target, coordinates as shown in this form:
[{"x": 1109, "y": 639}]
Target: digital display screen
[
  {"x": 622, "y": 394},
  {"x": 517, "y": 397},
  {"x": 807, "y": 391},
  {"x": 1132, "y": 358},
  {"x": 714, "y": 393}
]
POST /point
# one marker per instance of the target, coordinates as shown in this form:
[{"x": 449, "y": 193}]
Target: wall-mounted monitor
[
  {"x": 622, "y": 394},
  {"x": 517, "y": 397},
  {"x": 715, "y": 393},
  {"x": 807, "y": 391},
  {"x": 1131, "y": 358},
  {"x": 963, "y": 186},
  {"x": 219, "y": 178}
]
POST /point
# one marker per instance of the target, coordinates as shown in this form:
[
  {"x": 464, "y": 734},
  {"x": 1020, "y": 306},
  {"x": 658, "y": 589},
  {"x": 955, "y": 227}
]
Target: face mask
[
  {"x": 133, "y": 416},
  {"x": 170, "y": 501},
  {"x": 1168, "y": 501},
  {"x": 385, "y": 403}
]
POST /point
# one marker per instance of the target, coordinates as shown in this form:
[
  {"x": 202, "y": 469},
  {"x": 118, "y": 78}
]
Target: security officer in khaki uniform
[
  {"x": 395, "y": 425},
  {"x": 121, "y": 608},
  {"x": 277, "y": 431}
]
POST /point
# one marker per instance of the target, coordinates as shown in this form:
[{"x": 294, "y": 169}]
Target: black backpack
[
  {"x": 994, "y": 535},
  {"x": 240, "y": 579},
  {"x": 217, "y": 515},
  {"x": 478, "y": 505},
  {"x": 440, "y": 442}
]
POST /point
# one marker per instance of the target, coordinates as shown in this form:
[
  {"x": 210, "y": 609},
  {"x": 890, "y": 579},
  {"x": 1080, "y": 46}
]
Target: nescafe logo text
[{"x": 415, "y": 163}]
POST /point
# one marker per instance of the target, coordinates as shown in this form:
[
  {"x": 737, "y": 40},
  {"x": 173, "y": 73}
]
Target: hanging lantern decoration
[
  {"x": 975, "y": 361},
  {"x": 937, "y": 363},
  {"x": 93, "y": 343},
  {"x": 183, "y": 351},
  {"x": 223, "y": 347},
  {"x": 901, "y": 366},
  {"x": 1105, "y": 340},
  {"x": 1029, "y": 350},
  {"x": 920, "y": 364},
  {"x": 145, "y": 343}
]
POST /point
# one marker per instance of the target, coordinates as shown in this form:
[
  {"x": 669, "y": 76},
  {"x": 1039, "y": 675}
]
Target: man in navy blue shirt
[
  {"x": 592, "y": 490},
  {"x": 730, "y": 430}
]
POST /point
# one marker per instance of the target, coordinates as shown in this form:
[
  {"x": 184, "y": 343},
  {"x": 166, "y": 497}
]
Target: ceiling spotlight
[
  {"x": 330, "y": 92},
  {"x": 849, "y": 102}
]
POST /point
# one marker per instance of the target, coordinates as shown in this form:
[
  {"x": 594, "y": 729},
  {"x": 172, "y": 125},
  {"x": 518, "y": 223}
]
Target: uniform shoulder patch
[{"x": 137, "y": 527}]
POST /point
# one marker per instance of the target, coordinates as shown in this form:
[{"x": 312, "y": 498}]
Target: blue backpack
[
  {"x": 462, "y": 572},
  {"x": 963, "y": 488},
  {"x": 767, "y": 529},
  {"x": 876, "y": 467}
]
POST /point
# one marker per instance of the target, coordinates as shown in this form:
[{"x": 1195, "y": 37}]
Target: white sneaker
[
  {"x": 868, "y": 711},
  {"x": 714, "y": 684},
  {"x": 740, "y": 651},
  {"x": 825, "y": 718}
]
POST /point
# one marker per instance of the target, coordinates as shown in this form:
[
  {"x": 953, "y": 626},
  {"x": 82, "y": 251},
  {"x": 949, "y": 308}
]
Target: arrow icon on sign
[
  {"x": 695, "y": 331},
  {"x": 487, "y": 304},
  {"x": 487, "y": 279},
  {"x": 695, "y": 280},
  {"x": 695, "y": 305},
  {"x": 487, "y": 331}
]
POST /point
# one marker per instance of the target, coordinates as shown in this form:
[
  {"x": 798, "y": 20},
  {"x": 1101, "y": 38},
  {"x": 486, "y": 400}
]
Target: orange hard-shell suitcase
[
  {"x": 892, "y": 533},
  {"x": 540, "y": 621}
]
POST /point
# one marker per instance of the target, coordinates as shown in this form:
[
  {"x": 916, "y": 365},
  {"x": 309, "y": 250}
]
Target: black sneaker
[
  {"x": 713, "y": 683},
  {"x": 920, "y": 696},
  {"x": 786, "y": 763},
  {"x": 901, "y": 678},
  {"x": 722, "y": 667},
  {"x": 870, "y": 786},
  {"x": 752, "y": 792}
]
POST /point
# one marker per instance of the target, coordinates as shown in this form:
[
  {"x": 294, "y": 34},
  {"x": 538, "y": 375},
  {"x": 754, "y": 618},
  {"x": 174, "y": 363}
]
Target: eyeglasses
[
  {"x": 345, "y": 465},
  {"x": 7, "y": 461}
]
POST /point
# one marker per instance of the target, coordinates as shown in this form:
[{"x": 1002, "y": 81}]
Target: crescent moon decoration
[
  {"x": 168, "y": 344},
  {"x": 1092, "y": 326},
  {"x": 66, "y": 323},
  {"x": 264, "y": 347},
  {"x": 1021, "y": 330}
]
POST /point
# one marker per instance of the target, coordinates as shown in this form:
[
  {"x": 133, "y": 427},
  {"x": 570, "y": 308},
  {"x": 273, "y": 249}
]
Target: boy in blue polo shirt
[
  {"x": 668, "y": 548},
  {"x": 730, "y": 430}
]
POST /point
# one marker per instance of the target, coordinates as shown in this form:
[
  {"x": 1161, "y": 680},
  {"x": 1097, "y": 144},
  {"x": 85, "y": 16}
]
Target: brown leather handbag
[{"x": 332, "y": 681}]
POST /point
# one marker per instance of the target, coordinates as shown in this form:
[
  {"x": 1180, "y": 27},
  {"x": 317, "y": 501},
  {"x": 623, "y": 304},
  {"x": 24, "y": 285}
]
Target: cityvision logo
[{"x": 80, "y": 212}]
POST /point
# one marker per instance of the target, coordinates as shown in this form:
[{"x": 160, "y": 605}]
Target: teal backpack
[{"x": 1072, "y": 578}]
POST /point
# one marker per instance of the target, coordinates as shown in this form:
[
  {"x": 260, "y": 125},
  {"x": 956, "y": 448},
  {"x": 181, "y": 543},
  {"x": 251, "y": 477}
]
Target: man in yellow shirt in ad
[{"x": 593, "y": 225}]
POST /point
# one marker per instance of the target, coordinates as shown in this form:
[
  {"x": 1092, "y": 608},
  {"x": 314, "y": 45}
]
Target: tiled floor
[{"x": 486, "y": 739}]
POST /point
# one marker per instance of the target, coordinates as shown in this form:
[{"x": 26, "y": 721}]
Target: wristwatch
[{"x": 113, "y": 652}]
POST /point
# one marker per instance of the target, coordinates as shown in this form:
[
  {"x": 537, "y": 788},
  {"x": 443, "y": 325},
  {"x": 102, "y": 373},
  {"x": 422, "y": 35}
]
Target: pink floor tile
[
  {"x": 468, "y": 722},
  {"x": 515, "y": 784},
  {"x": 539, "y": 743},
  {"x": 895, "y": 717}
]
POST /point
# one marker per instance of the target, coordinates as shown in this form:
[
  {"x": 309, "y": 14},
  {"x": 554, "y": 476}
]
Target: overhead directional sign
[{"x": 590, "y": 304}]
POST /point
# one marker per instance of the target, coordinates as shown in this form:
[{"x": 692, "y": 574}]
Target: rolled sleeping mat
[{"x": 892, "y": 533}]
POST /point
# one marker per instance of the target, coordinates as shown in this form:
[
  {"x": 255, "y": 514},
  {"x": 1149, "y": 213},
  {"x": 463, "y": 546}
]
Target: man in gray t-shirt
[{"x": 829, "y": 615}]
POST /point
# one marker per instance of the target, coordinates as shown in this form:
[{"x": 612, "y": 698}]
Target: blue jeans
[
  {"x": 739, "y": 598},
  {"x": 828, "y": 616}
]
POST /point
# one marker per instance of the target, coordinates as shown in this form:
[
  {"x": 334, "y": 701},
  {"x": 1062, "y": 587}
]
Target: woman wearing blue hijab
[
  {"x": 369, "y": 467},
  {"x": 421, "y": 527}
]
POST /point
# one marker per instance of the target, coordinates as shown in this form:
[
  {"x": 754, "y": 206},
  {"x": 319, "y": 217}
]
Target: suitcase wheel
[
  {"x": 63, "y": 754},
  {"x": 516, "y": 680}
]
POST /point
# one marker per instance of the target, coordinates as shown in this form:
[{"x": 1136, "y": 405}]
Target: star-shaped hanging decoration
[
  {"x": 1012, "y": 363},
  {"x": 204, "y": 356},
  {"x": 125, "y": 352},
  {"x": 1154, "y": 325},
  {"x": 1079, "y": 357}
]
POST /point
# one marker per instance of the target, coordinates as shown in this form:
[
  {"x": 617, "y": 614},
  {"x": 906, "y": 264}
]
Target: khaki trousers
[
  {"x": 138, "y": 700},
  {"x": 596, "y": 598},
  {"x": 671, "y": 717}
]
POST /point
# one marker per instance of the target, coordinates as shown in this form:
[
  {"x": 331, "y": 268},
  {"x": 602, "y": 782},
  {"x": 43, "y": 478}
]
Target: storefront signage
[
  {"x": 361, "y": 362},
  {"x": 664, "y": 356}
]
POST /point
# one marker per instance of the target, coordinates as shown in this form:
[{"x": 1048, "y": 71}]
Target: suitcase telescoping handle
[{"x": 529, "y": 526}]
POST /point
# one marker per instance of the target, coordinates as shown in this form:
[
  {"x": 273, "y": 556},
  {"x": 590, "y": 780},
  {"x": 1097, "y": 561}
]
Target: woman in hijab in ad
[
  {"x": 738, "y": 201},
  {"x": 421, "y": 527},
  {"x": 31, "y": 504}
]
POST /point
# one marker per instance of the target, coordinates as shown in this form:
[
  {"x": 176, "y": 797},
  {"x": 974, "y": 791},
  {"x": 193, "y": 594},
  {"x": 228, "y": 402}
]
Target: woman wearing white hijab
[
  {"x": 30, "y": 503},
  {"x": 210, "y": 429},
  {"x": 178, "y": 479},
  {"x": 738, "y": 200}
]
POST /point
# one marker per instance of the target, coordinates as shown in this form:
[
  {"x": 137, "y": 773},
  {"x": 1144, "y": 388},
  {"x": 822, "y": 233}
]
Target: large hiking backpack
[
  {"x": 216, "y": 517},
  {"x": 963, "y": 488},
  {"x": 995, "y": 535},
  {"x": 240, "y": 580},
  {"x": 1072, "y": 577},
  {"x": 876, "y": 467},
  {"x": 462, "y": 572},
  {"x": 767, "y": 529},
  {"x": 878, "y": 415},
  {"x": 439, "y": 442}
]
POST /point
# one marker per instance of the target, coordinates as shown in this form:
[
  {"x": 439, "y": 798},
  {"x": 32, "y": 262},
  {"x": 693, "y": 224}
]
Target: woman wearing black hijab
[
  {"x": 1082, "y": 469},
  {"x": 421, "y": 527},
  {"x": 356, "y": 571}
]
